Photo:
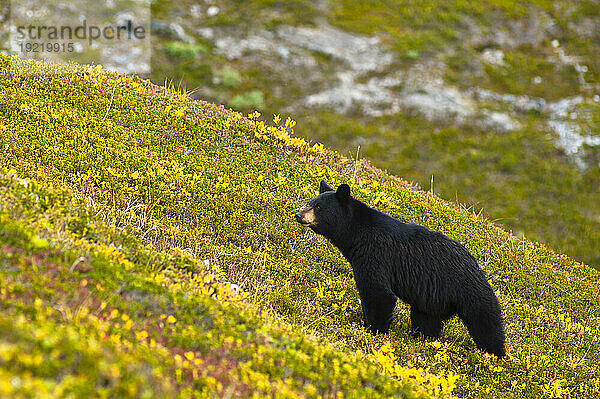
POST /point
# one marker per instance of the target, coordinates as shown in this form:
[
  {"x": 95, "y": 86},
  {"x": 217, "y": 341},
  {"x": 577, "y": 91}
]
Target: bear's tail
[{"x": 482, "y": 315}]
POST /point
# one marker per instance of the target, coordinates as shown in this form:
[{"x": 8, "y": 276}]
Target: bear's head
[{"x": 329, "y": 213}]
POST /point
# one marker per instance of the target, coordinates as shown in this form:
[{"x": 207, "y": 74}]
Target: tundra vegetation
[
  {"x": 495, "y": 101},
  {"x": 148, "y": 248}
]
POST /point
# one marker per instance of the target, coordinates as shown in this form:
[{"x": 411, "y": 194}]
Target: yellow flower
[
  {"x": 127, "y": 325},
  {"x": 171, "y": 319},
  {"x": 180, "y": 112}
]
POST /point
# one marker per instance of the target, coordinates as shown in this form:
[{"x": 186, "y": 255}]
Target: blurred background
[{"x": 494, "y": 104}]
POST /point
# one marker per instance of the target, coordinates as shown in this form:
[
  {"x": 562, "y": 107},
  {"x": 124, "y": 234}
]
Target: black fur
[{"x": 436, "y": 275}]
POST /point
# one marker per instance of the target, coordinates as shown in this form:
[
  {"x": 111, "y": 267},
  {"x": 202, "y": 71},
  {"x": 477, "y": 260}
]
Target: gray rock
[
  {"x": 572, "y": 137},
  {"x": 212, "y": 11},
  {"x": 171, "y": 31},
  {"x": 374, "y": 98},
  {"x": 493, "y": 57},
  {"x": 207, "y": 33},
  {"x": 361, "y": 53},
  {"x": 423, "y": 91},
  {"x": 561, "y": 109},
  {"x": 499, "y": 121},
  {"x": 437, "y": 102},
  {"x": 519, "y": 103}
]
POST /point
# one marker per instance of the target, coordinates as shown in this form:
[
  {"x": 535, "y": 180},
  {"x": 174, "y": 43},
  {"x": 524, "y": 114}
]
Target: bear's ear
[
  {"x": 323, "y": 187},
  {"x": 343, "y": 192}
]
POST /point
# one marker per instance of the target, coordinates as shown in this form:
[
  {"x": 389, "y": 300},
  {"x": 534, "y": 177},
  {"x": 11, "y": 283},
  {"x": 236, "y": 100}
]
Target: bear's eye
[{"x": 316, "y": 206}]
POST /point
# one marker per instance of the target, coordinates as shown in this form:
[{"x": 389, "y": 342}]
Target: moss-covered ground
[{"x": 148, "y": 249}]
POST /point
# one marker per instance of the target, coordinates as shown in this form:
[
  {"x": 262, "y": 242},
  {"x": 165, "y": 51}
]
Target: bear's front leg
[{"x": 378, "y": 308}]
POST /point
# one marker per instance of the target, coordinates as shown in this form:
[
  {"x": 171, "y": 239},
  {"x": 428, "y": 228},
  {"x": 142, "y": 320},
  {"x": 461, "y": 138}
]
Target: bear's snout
[{"x": 306, "y": 217}]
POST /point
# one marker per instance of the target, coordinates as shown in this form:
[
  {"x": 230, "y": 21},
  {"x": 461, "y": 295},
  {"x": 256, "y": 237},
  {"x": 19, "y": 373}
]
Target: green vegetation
[
  {"x": 518, "y": 178},
  {"x": 515, "y": 175},
  {"x": 184, "y": 51},
  {"x": 81, "y": 320},
  {"x": 229, "y": 77},
  {"x": 251, "y": 99},
  {"x": 130, "y": 214}
]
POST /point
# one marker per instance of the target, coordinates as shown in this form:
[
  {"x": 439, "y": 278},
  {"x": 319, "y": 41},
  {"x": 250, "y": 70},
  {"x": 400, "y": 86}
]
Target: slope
[
  {"x": 123, "y": 189},
  {"x": 481, "y": 95}
]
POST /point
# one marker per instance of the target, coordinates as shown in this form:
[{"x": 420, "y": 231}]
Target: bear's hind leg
[
  {"x": 378, "y": 310},
  {"x": 427, "y": 325}
]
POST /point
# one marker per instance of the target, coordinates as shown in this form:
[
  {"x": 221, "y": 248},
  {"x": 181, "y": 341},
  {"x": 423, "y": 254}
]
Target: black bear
[{"x": 434, "y": 274}]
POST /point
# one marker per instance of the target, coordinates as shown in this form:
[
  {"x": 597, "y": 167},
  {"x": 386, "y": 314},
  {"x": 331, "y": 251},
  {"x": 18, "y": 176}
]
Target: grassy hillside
[
  {"x": 148, "y": 249},
  {"x": 543, "y": 50}
]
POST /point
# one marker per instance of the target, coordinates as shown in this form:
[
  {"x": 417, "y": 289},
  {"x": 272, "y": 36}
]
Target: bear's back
[{"x": 426, "y": 266}]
